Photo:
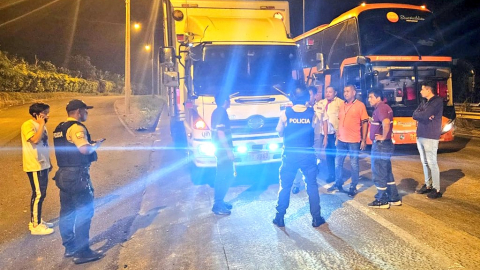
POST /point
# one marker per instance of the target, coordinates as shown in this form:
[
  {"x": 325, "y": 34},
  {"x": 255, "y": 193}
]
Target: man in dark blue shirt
[
  {"x": 429, "y": 128},
  {"x": 222, "y": 138},
  {"x": 295, "y": 126}
]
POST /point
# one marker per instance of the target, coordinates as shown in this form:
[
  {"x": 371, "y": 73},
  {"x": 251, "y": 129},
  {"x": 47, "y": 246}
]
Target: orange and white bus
[{"x": 392, "y": 46}]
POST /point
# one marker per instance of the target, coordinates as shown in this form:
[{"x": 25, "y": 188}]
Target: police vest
[
  {"x": 66, "y": 152},
  {"x": 299, "y": 131}
]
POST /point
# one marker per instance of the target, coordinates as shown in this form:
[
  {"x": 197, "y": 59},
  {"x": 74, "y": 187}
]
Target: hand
[
  {"x": 40, "y": 119},
  {"x": 431, "y": 117},
  {"x": 379, "y": 137},
  {"x": 363, "y": 145}
]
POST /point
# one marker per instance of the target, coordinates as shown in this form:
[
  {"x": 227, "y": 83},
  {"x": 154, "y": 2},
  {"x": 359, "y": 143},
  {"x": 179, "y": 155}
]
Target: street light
[
  {"x": 127, "y": 56},
  {"x": 137, "y": 26}
]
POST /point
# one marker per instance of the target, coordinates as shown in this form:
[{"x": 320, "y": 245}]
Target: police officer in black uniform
[
  {"x": 295, "y": 126},
  {"x": 75, "y": 151}
]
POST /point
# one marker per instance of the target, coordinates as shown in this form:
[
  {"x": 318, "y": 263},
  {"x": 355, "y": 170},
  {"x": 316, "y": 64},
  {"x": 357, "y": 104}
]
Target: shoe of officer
[
  {"x": 318, "y": 221},
  {"x": 279, "y": 220},
  {"x": 69, "y": 252},
  {"x": 295, "y": 190},
  {"x": 86, "y": 256},
  {"x": 352, "y": 191},
  {"x": 220, "y": 210},
  {"x": 228, "y": 206},
  {"x": 335, "y": 187}
]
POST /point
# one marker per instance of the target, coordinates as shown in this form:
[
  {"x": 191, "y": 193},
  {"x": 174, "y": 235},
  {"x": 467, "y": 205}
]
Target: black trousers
[
  {"x": 76, "y": 207},
  {"x": 38, "y": 183},
  {"x": 306, "y": 161}
]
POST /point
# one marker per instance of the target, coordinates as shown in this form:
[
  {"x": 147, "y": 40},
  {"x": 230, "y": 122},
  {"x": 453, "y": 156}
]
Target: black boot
[
  {"x": 279, "y": 220},
  {"x": 318, "y": 221}
]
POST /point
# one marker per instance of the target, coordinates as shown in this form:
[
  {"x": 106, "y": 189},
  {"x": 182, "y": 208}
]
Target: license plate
[{"x": 259, "y": 156}]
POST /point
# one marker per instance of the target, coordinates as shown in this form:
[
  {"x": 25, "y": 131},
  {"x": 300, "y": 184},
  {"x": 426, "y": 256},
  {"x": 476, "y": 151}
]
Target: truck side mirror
[
  {"x": 167, "y": 56},
  {"x": 170, "y": 79},
  {"x": 321, "y": 63}
]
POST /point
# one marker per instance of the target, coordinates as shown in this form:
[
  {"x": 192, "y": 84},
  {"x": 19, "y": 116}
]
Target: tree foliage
[{"x": 16, "y": 75}]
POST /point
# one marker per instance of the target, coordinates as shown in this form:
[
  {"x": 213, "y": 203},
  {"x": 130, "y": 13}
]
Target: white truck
[{"x": 242, "y": 48}]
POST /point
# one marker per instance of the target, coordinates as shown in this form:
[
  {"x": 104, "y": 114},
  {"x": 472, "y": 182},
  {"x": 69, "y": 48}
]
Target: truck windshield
[
  {"x": 399, "y": 32},
  {"x": 249, "y": 70}
]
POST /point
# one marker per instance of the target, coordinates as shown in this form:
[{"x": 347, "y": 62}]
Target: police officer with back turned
[
  {"x": 295, "y": 126},
  {"x": 75, "y": 151}
]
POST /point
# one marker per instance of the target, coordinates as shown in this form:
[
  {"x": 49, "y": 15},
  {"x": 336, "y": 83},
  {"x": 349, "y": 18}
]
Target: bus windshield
[
  {"x": 399, "y": 32},
  {"x": 251, "y": 70}
]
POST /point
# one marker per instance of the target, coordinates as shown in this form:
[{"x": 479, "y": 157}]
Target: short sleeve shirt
[
  {"x": 328, "y": 111},
  {"x": 35, "y": 157},
  {"x": 77, "y": 134},
  {"x": 383, "y": 111},
  {"x": 220, "y": 121},
  {"x": 350, "y": 118}
]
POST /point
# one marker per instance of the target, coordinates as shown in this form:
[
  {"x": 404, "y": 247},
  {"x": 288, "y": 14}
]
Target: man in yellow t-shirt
[{"x": 36, "y": 163}]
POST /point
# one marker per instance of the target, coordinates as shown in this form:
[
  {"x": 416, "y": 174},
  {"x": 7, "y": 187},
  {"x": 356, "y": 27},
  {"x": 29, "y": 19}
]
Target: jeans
[
  {"x": 382, "y": 171},
  {"x": 428, "y": 155},
  {"x": 352, "y": 149},
  {"x": 291, "y": 162},
  {"x": 76, "y": 207},
  {"x": 223, "y": 179},
  {"x": 330, "y": 154}
]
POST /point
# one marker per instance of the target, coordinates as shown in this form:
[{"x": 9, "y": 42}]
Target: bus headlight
[
  {"x": 207, "y": 149},
  {"x": 449, "y": 126}
]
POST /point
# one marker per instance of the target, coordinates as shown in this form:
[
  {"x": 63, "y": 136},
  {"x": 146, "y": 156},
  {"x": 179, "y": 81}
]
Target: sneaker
[
  {"x": 41, "y": 229},
  {"x": 48, "y": 224},
  {"x": 87, "y": 256},
  {"x": 279, "y": 221},
  {"x": 318, "y": 221},
  {"x": 379, "y": 204},
  {"x": 434, "y": 194},
  {"x": 221, "y": 210},
  {"x": 424, "y": 189},
  {"x": 352, "y": 192},
  {"x": 334, "y": 188},
  {"x": 395, "y": 203},
  {"x": 295, "y": 190}
]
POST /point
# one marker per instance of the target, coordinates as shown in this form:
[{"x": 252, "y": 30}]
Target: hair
[
  {"x": 432, "y": 85},
  {"x": 331, "y": 86},
  {"x": 300, "y": 96},
  {"x": 220, "y": 99},
  {"x": 351, "y": 86},
  {"x": 37, "y": 108},
  {"x": 313, "y": 89},
  {"x": 377, "y": 92}
]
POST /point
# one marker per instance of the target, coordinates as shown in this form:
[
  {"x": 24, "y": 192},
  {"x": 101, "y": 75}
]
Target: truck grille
[{"x": 255, "y": 124}]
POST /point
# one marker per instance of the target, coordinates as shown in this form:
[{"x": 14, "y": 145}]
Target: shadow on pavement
[{"x": 124, "y": 228}]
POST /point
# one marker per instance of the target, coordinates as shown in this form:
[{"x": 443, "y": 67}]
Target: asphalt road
[{"x": 159, "y": 217}]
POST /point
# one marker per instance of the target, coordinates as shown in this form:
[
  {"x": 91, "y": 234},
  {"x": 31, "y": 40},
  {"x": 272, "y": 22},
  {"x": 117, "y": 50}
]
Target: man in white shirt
[
  {"x": 326, "y": 111},
  {"x": 37, "y": 165}
]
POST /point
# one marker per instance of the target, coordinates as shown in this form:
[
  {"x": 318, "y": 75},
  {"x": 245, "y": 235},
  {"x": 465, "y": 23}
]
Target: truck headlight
[
  {"x": 207, "y": 149},
  {"x": 242, "y": 149},
  {"x": 449, "y": 126},
  {"x": 273, "y": 146}
]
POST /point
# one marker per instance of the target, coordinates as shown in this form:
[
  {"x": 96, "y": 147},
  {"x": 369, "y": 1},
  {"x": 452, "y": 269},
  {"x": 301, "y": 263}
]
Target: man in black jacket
[
  {"x": 75, "y": 151},
  {"x": 429, "y": 128}
]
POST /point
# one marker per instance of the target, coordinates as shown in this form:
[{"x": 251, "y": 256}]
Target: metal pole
[
  {"x": 127, "y": 57},
  {"x": 303, "y": 17}
]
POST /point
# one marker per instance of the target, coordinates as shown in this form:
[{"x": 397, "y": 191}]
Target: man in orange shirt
[{"x": 352, "y": 135}]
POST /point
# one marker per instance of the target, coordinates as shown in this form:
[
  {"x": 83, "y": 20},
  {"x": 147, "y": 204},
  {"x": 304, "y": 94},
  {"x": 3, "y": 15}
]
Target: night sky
[{"x": 99, "y": 33}]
